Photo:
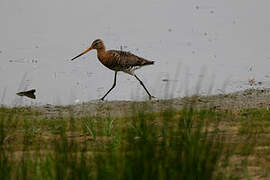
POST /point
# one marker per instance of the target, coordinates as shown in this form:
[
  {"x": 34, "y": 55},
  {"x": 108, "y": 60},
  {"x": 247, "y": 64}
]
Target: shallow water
[{"x": 199, "y": 47}]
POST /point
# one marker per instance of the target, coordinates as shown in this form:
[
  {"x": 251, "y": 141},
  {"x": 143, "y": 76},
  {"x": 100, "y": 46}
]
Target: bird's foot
[
  {"x": 150, "y": 97},
  {"x": 101, "y": 99}
]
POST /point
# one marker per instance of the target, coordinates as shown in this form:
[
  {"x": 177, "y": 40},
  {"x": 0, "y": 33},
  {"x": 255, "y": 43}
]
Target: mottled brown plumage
[
  {"x": 122, "y": 61},
  {"x": 118, "y": 61}
]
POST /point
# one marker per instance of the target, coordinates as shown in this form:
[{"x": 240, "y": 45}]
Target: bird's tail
[{"x": 147, "y": 62}]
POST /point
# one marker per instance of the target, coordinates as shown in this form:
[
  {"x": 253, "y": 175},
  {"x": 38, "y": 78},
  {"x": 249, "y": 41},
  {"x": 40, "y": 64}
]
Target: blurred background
[{"x": 204, "y": 47}]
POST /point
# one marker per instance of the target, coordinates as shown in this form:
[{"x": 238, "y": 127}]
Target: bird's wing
[{"x": 127, "y": 59}]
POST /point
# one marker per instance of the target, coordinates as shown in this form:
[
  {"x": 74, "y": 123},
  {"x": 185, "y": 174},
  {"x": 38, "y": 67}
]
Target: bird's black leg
[
  {"x": 114, "y": 83},
  {"x": 150, "y": 96}
]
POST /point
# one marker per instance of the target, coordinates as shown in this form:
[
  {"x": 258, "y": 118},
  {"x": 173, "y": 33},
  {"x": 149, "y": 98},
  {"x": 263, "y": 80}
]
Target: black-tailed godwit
[{"x": 118, "y": 61}]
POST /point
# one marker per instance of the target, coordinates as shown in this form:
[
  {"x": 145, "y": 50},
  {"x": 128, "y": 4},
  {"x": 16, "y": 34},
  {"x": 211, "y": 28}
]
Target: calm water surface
[{"x": 199, "y": 47}]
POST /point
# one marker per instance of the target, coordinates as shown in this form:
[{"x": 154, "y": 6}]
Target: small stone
[{"x": 165, "y": 80}]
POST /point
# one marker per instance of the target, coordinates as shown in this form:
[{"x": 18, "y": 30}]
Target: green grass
[{"x": 171, "y": 144}]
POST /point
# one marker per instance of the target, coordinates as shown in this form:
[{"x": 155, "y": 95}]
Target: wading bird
[{"x": 118, "y": 61}]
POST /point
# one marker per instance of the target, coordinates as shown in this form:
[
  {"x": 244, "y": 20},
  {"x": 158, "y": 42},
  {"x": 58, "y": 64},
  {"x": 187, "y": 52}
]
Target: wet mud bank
[{"x": 250, "y": 98}]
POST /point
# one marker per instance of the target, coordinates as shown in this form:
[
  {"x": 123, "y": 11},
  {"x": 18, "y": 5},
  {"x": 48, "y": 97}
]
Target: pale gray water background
[{"x": 208, "y": 43}]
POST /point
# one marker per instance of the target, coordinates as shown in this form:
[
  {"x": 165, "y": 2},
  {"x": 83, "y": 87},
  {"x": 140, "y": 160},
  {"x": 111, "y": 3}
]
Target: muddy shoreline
[{"x": 250, "y": 98}]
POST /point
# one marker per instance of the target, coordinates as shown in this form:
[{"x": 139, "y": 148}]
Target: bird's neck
[{"x": 101, "y": 52}]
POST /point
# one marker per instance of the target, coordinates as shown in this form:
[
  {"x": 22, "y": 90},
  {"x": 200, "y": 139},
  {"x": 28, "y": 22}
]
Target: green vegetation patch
[{"x": 171, "y": 144}]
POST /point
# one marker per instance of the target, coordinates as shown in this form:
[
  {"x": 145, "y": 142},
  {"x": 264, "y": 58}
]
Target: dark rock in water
[
  {"x": 165, "y": 80},
  {"x": 29, "y": 94}
]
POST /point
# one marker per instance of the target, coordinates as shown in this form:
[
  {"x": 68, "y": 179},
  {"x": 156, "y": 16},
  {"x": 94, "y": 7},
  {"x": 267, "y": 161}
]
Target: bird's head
[{"x": 96, "y": 44}]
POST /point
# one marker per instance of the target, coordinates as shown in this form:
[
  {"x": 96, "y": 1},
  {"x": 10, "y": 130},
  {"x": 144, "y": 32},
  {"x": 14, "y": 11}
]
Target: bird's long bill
[{"x": 82, "y": 53}]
